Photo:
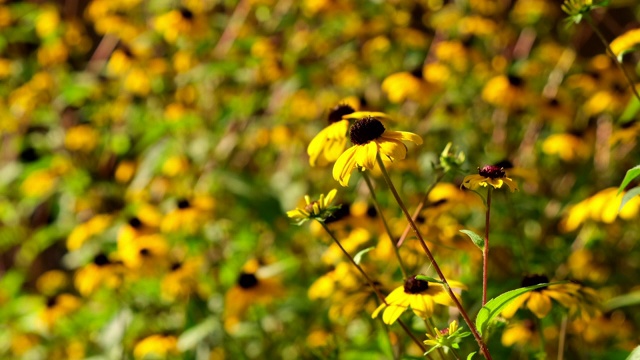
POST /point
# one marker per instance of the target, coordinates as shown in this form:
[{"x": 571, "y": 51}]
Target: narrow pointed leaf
[
  {"x": 628, "y": 196},
  {"x": 632, "y": 173},
  {"x": 477, "y": 239},
  {"x": 358, "y": 257}
]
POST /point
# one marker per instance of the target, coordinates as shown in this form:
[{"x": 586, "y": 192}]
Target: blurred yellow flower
[
  {"x": 370, "y": 139},
  {"x": 182, "y": 279},
  {"x": 58, "y": 307},
  {"x": 51, "y": 282},
  {"x": 100, "y": 272},
  {"x": 83, "y": 232},
  {"x": 404, "y": 85},
  {"x": 156, "y": 347},
  {"x": 601, "y": 207},
  {"x": 82, "y": 138}
]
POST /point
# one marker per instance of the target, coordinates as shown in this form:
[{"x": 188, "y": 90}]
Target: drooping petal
[
  {"x": 473, "y": 181},
  {"x": 511, "y": 184},
  {"x": 377, "y": 311},
  {"x": 511, "y": 309},
  {"x": 443, "y": 298},
  {"x": 344, "y": 166},
  {"x": 396, "y": 295},
  {"x": 392, "y": 313},
  {"x": 316, "y": 146},
  {"x": 330, "y": 196},
  {"x": 368, "y": 155},
  {"x": 392, "y": 149},
  {"x": 403, "y": 135},
  {"x": 422, "y": 305},
  {"x": 539, "y": 304}
]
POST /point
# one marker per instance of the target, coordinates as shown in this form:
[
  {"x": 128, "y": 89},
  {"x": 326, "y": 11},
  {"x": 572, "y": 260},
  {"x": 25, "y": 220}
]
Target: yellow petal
[
  {"x": 403, "y": 135},
  {"x": 392, "y": 149},
  {"x": 392, "y": 313},
  {"x": 511, "y": 309},
  {"x": 377, "y": 311},
  {"x": 344, "y": 166},
  {"x": 316, "y": 146},
  {"x": 330, "y": 196},
  {"x": 539, "y": 304},
  {"x": 422, "y": 305}
]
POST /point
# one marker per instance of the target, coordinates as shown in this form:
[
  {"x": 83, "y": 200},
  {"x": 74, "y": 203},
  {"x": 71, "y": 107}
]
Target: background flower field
[{"x": 153, "y": 150}]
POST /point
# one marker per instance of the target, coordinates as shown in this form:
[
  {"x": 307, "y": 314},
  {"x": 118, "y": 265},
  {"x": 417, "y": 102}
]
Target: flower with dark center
[
  {"x": 176, "y": 266},
  {"x": 183, "y": 204},
  {"x": 247, "y": 280},
  {"x": 370, "y": 139},
  {"x": 419, "y": 295},
  {"x": 329, "y": 144},
  {"x": 489, "y": 175},
  {"x": 540, "y": 301}
]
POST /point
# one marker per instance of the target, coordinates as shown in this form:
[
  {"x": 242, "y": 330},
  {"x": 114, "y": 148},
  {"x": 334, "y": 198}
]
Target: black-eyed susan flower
[
  {"x": 146, "y": 252},
  {"x": 157, "y": 346},
  {"x": 505, "y": 91},
  {"x": 370, "y": 139},
  {"x": 419, "y": 295},
  {"x": 182, "y": 279},
  {"x": 526, "y": 334},
  {"x": 189, "y": 215},
  {"x": 330, "y": 142},
  {"x": 320, "y": 209},
  {"x": 250, "y": 288},
  {"x": 577, "y": 299},
  {"x": 489, "y": 175},
  {"x": 58, "y": 307},
  {"x": 100, "y": 272}
]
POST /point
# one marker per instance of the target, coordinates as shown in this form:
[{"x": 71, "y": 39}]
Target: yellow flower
[
  {"x": 156, "y": 347},
  {"x": 566, "y": 146},
  {"x": 249, "y": 289},
  {"x": 85, "y": 231},
  {"x": 188, "y": 216},
  {"x": 58, "y": 307},
  {"x": 370, "y": 138},
  {"x": 182, "y": 280},
  {"x": 576, "y": 298},
  {"x": 100, "y": 272},
  {"x": 144, "y": 252},
  {"x": 319, "y": 209},
  {"x": 330, "y": 142},
  {"x": 505, "y": 91},
  {"x": 51, "y": 282},
  {"x": 403, "y": 85},
  {"x": 420, "y": 295},
  {"x": 489, "y": 175},
  {"x": 625, "y": 42},
  {"x": 602, "y": 207},
  {"x": 82, "y": 138}
]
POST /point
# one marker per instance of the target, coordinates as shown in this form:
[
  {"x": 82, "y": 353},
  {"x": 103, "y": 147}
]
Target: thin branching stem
[
  {"x": 372, "y": 191},
  {"x": 483, "y": 347},
  {"x": 371, "y": 284},
  {"x": 613, "y": 55},
  {"x": 485, "y": 249}
]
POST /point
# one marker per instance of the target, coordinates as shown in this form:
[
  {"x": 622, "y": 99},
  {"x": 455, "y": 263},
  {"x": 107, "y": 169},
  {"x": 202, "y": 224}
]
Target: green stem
[
  {"x": 372, "y": 285},
  {"x": 541, "y": 334},
  {"x": 463, "y": 312},
  {"x": 416, "y": 213},
  {"x": 485, "y": 250},
  {"x": 563, "y": 335},
  {"x": 613, "y": 56},
  {"x": 367, "y": 179}
]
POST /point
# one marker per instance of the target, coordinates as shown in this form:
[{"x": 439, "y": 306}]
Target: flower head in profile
[
  {"x": 446, "y": 339},
  {"x": 577, "y": 299},
  {"x": 370, "y": 139},
  {"x": 489, "y": 175},
  {"x": 420, "y": 295},
  {"x": 320, "y": 209},
  {"x": 330, "y": 142}
]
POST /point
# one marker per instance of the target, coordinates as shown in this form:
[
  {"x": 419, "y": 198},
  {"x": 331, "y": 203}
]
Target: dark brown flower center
[
  {"x": 145, "y": 252},
  {"x": 515, "y": 80},
  {"x": 135, "y": 222},
  {"x": 492, "y": 171},
  {"x": 365, "y": 130},
  {"x": 52, "y": 301},
  {"x": 176, "y": 266},
  {"x": 186, "y": 13},
  {"x": 415, "y": 286},
  {"x": 101, "y": 260},
  {"x": 535, "y": 279},
  {"x": 339, "y": 111},
  {"x": 183, "y": 204},
  {"x": 247, "y": 280}
]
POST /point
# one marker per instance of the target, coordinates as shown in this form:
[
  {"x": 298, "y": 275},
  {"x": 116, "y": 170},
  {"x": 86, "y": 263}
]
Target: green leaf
[
  {"x": 477, "y": 239},
  {"x": 471, "y": 355},
  {"x": 632, "y": 173},
  {"x": 428, "y": 278},
  {"x": 629, "y": 113},
  {"x": 495, "y": 306},
  {"x": 635, "y": 354},
  {"x": 628, "y": 196},
  {"x": 360, "y": 253},
  {"x": 629, "y": 299}
]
